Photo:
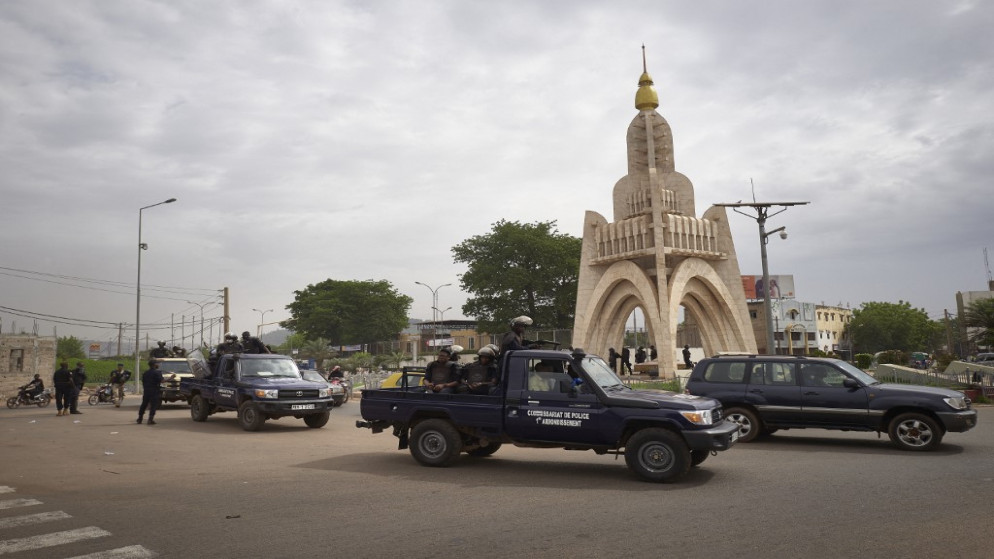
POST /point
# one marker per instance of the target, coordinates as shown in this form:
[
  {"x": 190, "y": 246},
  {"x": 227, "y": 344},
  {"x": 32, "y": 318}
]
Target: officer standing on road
[
  {"x": 62, "y": 379},
  {"x": 686, "y": 357},
  {"x": 78, "y": 380},
  {"x": 626, "y": 360},
  {"x": 252, "y": 344},
  {"x": 160, "y": 352},
  {"x": 152, "y": 391}
]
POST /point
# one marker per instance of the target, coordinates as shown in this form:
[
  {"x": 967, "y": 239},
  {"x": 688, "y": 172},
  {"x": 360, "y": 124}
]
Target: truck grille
[{"x": 298, "y": 394}]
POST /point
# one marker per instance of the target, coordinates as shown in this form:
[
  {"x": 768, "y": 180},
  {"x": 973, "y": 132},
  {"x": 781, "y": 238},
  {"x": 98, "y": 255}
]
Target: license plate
[{"x": 302, "y": 407}]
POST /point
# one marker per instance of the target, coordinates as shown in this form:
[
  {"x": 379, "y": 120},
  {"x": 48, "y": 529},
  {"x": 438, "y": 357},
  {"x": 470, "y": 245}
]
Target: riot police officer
[
  {"x": 160, "y": 352},
  {"x": 151, "y": 391},
  {"x": 252, "y": 344},
  {"x": 480, "y": 376}
]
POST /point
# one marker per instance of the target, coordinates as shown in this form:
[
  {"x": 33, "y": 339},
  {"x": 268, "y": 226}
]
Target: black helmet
[{"x": 246, "y": 334}]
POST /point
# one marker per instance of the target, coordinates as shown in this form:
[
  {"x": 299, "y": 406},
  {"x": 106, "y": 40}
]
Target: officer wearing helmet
[
  {"x": 480, "y": 376},
  {"x": 160, "y": 352},
  {"x": 252, "y": 344},
  {"x": 455, "y": 350},
  {"x": 230, "y": 345},
  {"x": 514, "y": 340}
]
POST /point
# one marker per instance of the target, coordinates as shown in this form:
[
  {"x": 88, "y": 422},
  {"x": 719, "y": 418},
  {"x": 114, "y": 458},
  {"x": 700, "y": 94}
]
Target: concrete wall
[{"x": 21, "y": 356}]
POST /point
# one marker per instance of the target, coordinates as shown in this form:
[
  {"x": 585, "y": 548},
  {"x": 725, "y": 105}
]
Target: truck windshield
[
  {"x": 855, "y": 373},
  {"x": 600, "y": 372},
  {"x": 268, "y": 368}
]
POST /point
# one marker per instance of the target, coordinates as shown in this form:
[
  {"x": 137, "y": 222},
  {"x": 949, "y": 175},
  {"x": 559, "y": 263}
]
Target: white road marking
[
  {"x": 29, "y": 519},
  {"x": 130, "y": 552},
  {"x": 14, "y": 503},
  {"x": 48, "y": 540},
  {"x": 6, "y": 489}
]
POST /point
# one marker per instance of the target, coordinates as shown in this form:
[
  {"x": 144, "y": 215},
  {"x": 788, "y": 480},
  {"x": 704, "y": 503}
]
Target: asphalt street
[{"x": 99, "y": 485}]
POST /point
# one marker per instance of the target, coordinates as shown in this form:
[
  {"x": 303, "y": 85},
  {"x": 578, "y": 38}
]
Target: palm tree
[{"x": 979, "y": 316}]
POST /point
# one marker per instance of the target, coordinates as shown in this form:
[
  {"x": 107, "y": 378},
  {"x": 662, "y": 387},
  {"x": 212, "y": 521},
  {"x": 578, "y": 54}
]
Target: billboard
[{"x": 781, "y": 287}]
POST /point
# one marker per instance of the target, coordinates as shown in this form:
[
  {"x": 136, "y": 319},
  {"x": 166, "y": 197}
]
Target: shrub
[{"x": 864, "y": 360}]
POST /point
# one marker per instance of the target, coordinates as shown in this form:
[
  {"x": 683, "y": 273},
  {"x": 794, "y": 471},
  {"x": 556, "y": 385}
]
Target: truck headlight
[
  {"x": 698, "y": 417},
  {"x": 263, "y": 393},
  {"x": 956, "y": 403},
  {"x": 324, "y": 392}
]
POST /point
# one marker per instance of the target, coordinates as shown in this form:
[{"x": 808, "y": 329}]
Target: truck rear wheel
[
  {"x": 435, "y": 442},
  {"x": 250, "y": 417},
  {"x": 199, "y": 409},
  {"x": 657, "y": 455},
  {"x": 317, "y": 420}
]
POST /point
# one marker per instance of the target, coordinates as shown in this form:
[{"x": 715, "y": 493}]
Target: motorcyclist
[
  {"x": 34, "y": 388},
  {"x": 118, "y": 377},
  {"x": 336, "y": 372},
  {"x": 160, "y": 352},
  {"x": 252, "y": 344}
]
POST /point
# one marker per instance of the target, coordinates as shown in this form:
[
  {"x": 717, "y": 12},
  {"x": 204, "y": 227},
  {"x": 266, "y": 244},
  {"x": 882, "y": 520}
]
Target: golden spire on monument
[{"x": 646, "y": 97}]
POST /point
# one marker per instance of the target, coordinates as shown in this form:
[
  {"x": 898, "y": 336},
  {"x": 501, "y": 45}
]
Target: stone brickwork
[
  {"x": 657, "y": 255},
  {"x": 21, "y": 356}
]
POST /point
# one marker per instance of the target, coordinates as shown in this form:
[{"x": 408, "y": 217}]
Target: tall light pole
[
  {"x": 201, "y": 305},
  {"x": 434, "y": 305},
  {"x": 262, "y": 320},
  {"x": 138, "y": 290},
  {"x": 762, "y": 214}
]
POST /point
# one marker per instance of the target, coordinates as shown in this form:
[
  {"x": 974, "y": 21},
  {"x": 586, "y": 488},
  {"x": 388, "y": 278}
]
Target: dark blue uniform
[{"x": 152, "y": 393}]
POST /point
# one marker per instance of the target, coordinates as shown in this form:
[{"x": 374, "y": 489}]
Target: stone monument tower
[{"x": 658, "y": 255}]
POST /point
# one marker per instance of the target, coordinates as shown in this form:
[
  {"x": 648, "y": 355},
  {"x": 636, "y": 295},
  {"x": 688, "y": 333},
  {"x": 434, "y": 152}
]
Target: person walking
[
  {"x": 62, "y": 379},
  {"x": 151, "y": 391},
  {"x": 117, "y": 379},
  {"x": 78, "y": 380},
  {"x": 612, "y": 358},
  {"x": 626, "y": 356}
]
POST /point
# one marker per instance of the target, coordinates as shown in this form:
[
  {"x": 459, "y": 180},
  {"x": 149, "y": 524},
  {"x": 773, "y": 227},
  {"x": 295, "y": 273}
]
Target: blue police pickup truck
[
  {"x": 554, "y": 399},
  {"x": 258, "y": 387}
]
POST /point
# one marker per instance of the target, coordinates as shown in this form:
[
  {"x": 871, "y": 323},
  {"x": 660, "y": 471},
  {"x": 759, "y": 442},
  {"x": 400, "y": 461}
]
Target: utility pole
[
  {"x": 227, "y": 316},
  {"x": 762, "y": 214},
  {"x": 120, "y": 333}
]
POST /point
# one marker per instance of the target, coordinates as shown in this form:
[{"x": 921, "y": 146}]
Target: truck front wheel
[
  {"x": 250, "y": 417},
  {"x": 317, "y": 420},
  {"x": 657, "y": 455},
  {"x": 199, "y": 409},
  {"x": 435, "y": 442}
]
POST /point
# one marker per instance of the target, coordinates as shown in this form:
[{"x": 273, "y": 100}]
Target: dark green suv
[{"x": 764, "y": 393}]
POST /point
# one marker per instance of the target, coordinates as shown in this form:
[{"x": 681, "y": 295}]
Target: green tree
[
  {"x": 979, "y": 315},
  {"x": 292, "y": 342},
  {"x": 69, "y": 348},
  {"x": 348, "y": 312},
  {"x": 878, "y": 326},
  {"x": 517, "y": 269},
  {"x": 317, "y": 350}
]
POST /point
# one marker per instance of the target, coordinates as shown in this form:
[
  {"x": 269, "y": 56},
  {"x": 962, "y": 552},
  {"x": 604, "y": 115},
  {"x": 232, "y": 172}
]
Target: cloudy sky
[{"x": 362, "y": 140}]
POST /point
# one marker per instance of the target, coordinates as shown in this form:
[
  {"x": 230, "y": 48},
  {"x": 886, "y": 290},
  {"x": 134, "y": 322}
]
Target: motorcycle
[
  {"x": 346, "y": 385},
  {"x": 23, "y": 398},
  {"x": 103, "y": 395}
]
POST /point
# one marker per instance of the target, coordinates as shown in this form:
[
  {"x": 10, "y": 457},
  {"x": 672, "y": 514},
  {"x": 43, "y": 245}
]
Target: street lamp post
[
  {"x": 138, "y": 290},
  {"x": 262, "y": 320},
  {"x": 434, "y": 305},
  {"x": 762, "y": 214},
  {"x": 201, "y": 305}
]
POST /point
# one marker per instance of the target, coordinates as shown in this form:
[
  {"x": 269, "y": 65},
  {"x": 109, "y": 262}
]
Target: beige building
[
  {"x": 23, "y": 355},
  {"x": 831, "y": 325},
  {"x": 657, "y": 254}
]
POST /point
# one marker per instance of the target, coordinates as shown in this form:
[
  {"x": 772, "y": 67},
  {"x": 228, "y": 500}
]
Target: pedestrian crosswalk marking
[
  {"x": 130, "y": 552},
  {"x": 14, "y": 503},
  {"x": 48, "y": 540},
  {"x": 29, "y": 519}
]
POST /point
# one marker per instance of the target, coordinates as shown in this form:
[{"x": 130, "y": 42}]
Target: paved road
[{"x": 106, "y": 487}]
